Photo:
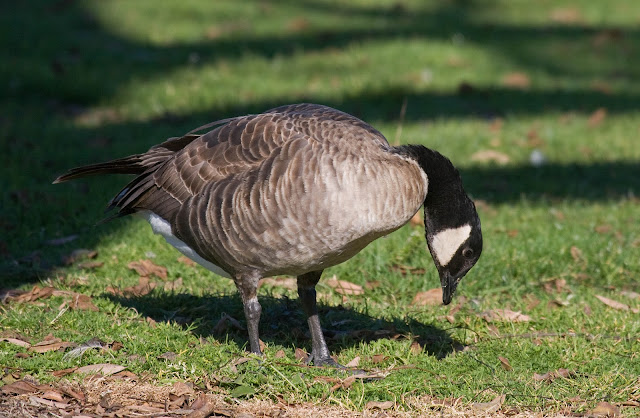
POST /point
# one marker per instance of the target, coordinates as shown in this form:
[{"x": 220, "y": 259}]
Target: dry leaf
[
  {"x": 52, "y": 344},
  {"x": 90, "y": 265},
  {"x": 301, "y": 355},
  {"x": 53, "y": 395},
  {"x": 147, "y": 268},
  {"x": 490, "y": 156},
  {"x": 64, "y": 372},
  {"x": 169, "y": 356},
  {"x": 603, "y": 229},
  {"x": 505, "y": 363},
  {"x": 566, "y": 15},
  {"x": 16, "y": 341},
  {"x": 379, "y": 405},
  {"x": 35, "y": 293},
  {"x": 630, "y": 294},
  {"x": 429, "y": 297},
  {"x": 576, "y": 253},
  {"x": 378, "y": 358},
  {"x": 82, "y": 303},
  {"x": 416, "y": 220},
  {"x": 344, "y": 287},
  {"x": 372, "y": 284},
  {"x": 106, "y": 369},
  {"x": 612, "y": 303},
  {"x": 490, "y": 407},
  {"x": 516, "y": 80},
  {"x": 174, "y": 285},
  {"x": 354, "y": 363},
  {"x": 186, "y": 260},
  {"x": 597, "y": 117},
  {"x": 144, "y": 287},
  {"x": 504, "y": 315},
  {"x": 20, "y": 387},
  {"x": 79, "y": 254},
  {"x": 605, "y": 409}
]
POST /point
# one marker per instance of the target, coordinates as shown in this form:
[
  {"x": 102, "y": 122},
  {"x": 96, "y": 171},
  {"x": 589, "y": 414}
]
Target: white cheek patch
[{"x": 445, "y": 243}]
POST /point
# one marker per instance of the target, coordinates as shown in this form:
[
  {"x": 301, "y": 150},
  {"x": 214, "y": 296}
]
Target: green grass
[{"x": 89, "y": 80}]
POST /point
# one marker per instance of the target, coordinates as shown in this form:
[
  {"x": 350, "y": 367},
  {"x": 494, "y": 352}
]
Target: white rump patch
[
  {"x": 162, "y": 227},
  {"x": 445, "y": 243}
]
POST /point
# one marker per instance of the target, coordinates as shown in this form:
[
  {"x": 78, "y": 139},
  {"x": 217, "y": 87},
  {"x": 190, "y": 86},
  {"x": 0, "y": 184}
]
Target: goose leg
[
  {"x": 320, "y": 355},
  {"x": 248, "y": 286}
]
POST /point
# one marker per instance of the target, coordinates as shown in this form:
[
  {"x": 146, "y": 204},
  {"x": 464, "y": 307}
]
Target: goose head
[
  {"x": 455, "y": 243},
  {"x": 452, "y": 224}
]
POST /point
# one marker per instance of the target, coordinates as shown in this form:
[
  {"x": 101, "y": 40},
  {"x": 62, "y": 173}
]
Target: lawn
[{"x": 537, "y": 103}]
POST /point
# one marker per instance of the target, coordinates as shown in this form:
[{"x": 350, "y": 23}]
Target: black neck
[{"x": 446, "y": 198}]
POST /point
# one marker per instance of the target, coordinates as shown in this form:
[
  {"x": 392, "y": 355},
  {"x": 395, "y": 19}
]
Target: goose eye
[{"x": 467, "y": 253}]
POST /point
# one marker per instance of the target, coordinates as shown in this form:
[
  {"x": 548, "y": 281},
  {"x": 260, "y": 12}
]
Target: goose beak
[{"x": 449, "y": 284}]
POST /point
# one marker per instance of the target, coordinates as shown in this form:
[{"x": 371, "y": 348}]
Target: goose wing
[{"x": 238, "y": 145}]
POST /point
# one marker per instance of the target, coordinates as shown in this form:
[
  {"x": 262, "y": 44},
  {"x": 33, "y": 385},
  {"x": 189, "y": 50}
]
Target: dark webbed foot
[{"x": 327, "y": 361}]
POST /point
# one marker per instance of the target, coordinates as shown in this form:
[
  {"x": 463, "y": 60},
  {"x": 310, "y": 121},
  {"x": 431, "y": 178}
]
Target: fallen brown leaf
[
  {"x": 34, "y": 294},
  {"x": 566, "y": 15},
  {"x": 106, "y": 369},
  {"x": 53, "y": 395},
  {"x": 16, "y": 341},
  {"x": 64, "y": 372},
  {"x": 597, "y": 117},
  {"x": 576, "y": 253},
  {"x": 429, "y": 297},
  {"x": 79, "y": 254},
  {"x": 505, "y": 363},
  {"x": 186, "y": 260},
  {"x": 169, "y": 356},
  {"x": 90, "y": 265},
  {"x": 144, "y": 287},
  {"x": 82, "y": 303},
  {"x": 355, "y": 362},
  {"x": 605, "y": 409},
  {"x": 301, "y": 355},
  {"x": 378, "y": 358},
  {"x": 147, "y": 268},
  {"x": 173, "y": 285},
  {"x": 344, "y": 287},
  {"x": 379, "y": 405},
  {"x": 491, "y": 156},
  {"x": 630, "y": 294},
  {"x": 416, "y": 220},
  {"x": 50, "y": 344},
  {"x": 20, "y": 387},
  {"x": 612, "y": 303},
  {"x": 490, "y": 407},
  {"x": 504, "y": 315},
  {"x": 516, "y": 80}
]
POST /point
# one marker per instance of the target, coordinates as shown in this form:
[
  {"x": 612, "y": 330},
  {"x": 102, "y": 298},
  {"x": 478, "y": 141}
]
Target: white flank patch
[
  {"x": 162, "y": 227},
  {"x": 446, "y": 243}
]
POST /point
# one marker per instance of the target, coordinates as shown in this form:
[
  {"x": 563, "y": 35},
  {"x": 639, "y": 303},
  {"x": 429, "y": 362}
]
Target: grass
[{"x": 86, "y": 81}]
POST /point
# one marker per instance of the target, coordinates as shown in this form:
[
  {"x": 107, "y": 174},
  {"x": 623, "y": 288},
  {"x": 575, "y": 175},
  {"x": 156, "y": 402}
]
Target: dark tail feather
[{"x": 127, "y": 165}]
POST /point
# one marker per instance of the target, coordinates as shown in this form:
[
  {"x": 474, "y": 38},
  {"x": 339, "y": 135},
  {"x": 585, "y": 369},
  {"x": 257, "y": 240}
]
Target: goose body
[{"x": 292, "y": 191}]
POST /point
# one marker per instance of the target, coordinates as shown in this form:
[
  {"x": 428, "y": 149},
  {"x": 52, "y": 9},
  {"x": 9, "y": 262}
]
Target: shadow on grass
[
  {"x": 283, "y": 322},
  {"x": 50, "y": 82}
]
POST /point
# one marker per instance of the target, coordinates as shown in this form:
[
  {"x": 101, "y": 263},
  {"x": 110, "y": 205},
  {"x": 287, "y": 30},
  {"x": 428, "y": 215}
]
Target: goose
[{"x": 293, "y": 191}]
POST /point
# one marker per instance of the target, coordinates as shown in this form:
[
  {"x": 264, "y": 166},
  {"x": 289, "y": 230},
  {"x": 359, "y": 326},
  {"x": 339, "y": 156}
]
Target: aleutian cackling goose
[{"x": 292, "y": 191}]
